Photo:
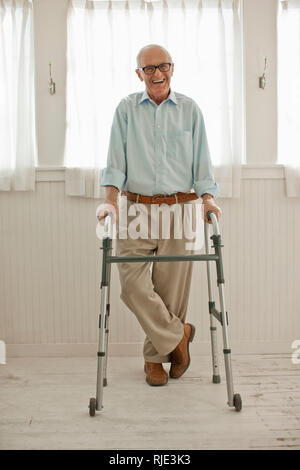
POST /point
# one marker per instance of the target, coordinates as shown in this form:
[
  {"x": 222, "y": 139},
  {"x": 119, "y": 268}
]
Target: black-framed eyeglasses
[{"x": 151, "y": 69}]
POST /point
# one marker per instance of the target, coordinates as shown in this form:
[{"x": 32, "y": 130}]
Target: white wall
[
  {"x": 50, "y": 20},
  {"x": 50, "y": 274},
  {"x": 261, "y": 109}
]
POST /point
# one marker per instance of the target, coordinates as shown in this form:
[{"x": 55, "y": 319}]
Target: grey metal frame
[{"x": 234, "y": 400}]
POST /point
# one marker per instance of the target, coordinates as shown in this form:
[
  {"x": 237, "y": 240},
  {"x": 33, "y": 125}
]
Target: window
[
  {"x": 204, "y": 39},
  {"x": 289, "y": 83},
  {"x": 17, "y": 104}
]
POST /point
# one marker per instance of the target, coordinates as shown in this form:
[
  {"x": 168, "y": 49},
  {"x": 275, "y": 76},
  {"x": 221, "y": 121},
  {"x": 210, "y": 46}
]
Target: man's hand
[
  {"x": 110, "y": 205},
  {"x": 210, "y": 205}
]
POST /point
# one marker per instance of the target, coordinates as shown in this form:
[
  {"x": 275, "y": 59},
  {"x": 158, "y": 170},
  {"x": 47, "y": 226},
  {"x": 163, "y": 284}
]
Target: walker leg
[
  {"x": 226, "y": 350},
  {"x": 233, "y": 399},
  {"x": 107, "y": 328},
  {"x": 97, "y": 404},
  {"x": 213, "y": 329},
  {"x": 101, "y": 350}
]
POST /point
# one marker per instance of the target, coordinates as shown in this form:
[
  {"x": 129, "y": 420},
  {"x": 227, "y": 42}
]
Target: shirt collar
[{"x": 171, "y": 97}]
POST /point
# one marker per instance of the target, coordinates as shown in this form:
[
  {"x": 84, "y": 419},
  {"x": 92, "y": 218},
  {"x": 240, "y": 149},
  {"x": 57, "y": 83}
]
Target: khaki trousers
[{"x": 157, "y": 293}]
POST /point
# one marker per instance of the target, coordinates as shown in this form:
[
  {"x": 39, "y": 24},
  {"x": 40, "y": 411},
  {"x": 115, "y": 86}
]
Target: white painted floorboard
[{"x": 44, "y": 405}]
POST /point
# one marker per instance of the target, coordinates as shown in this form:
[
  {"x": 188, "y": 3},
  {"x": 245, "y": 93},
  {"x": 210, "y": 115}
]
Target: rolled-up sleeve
[
  {"x": 203, "y": 178},
  {"x": 115, "y": 173}
]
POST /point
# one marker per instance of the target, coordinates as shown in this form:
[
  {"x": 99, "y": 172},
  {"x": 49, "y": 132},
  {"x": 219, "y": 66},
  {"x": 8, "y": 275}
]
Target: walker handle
[
  {"x": 108, "y": 224},
  {"x": 208, "y": 215},
  {"x": 212, "y": 216}
]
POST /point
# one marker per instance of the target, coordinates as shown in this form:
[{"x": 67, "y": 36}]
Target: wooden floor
[{"x": 44, "y": 405}]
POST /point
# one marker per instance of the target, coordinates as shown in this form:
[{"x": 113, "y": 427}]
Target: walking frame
[{"x": 234, "y": 399}]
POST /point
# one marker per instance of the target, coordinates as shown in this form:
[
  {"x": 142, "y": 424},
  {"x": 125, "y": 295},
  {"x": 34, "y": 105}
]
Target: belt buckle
[{"x": 156, "y": 197}]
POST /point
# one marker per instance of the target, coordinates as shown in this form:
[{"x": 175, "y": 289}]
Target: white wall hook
[
  {"x": 262, "y": 79},
  {"x": 51, "y": 82}
]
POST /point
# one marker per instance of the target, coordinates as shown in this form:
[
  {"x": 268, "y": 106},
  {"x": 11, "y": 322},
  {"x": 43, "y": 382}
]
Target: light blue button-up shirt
[{"x": 159, "y": 149}]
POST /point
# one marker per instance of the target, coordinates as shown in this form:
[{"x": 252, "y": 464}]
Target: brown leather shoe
[
  {"x": 156, "y": 375},
  {"x": 180, "y": 357}
]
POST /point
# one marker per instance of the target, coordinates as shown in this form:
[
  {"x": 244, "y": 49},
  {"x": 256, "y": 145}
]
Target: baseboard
[{"x": 135, "y": 349}]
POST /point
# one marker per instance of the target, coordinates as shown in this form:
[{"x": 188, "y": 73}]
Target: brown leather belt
[{"x": 160, "y": 198}]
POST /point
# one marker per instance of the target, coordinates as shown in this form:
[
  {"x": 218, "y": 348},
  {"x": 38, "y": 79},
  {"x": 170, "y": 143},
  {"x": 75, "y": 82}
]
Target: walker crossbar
[
  {"x": 234, "y": 399},
  {"x": 155, "y": 259}
]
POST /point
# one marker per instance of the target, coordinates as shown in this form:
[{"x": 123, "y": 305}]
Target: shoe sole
[
  {"x": 191, "y": 337},
  {"x": 156, "y": 385}
]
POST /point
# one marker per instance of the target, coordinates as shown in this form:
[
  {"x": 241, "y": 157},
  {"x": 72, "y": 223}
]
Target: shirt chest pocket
[{"x": 179, "y": 146}]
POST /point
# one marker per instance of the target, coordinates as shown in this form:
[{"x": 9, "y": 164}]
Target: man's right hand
[{"x": 110, "y": 205}]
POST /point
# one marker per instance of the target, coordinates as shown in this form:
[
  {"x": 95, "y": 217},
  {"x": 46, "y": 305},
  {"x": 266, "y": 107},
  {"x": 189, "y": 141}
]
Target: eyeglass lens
[{"x": 150, "y": 69}]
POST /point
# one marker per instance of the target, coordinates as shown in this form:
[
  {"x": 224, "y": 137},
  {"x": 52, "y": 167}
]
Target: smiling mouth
[{"x": 157, "y": 81}]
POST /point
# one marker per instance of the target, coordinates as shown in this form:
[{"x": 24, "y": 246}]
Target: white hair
[{"x": 149, "y": 46}]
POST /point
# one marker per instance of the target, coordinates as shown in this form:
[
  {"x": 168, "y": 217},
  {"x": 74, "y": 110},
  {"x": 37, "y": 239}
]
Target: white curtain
[
  {"x": 17, "y": 104},
  {"x": 104, "y": 37},
  {"x": 289, "y": 93}
]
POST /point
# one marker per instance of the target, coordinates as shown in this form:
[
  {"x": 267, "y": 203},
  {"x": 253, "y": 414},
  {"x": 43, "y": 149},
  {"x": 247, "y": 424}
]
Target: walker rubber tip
[{"x": 216, "y": 379}]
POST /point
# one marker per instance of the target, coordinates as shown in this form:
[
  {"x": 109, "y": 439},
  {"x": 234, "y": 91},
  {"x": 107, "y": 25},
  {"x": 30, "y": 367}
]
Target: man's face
[{"x": 157, "y": 84}]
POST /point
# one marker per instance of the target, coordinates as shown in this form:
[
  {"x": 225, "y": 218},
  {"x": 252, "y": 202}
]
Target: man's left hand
[{"x": 210, "y": 205}]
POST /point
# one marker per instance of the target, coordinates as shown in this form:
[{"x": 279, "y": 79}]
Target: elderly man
[{"x": 158, "y": 153}]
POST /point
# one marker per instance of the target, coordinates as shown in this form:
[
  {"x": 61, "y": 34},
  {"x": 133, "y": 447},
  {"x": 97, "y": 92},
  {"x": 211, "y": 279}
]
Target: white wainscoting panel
[{"x": 51, "y": 269}]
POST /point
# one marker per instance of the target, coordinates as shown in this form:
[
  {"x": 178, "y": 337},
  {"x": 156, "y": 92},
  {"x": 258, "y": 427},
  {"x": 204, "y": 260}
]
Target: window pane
[
  {"x": 289, "y": 86},
  {"x": 102, "y": 46}
]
